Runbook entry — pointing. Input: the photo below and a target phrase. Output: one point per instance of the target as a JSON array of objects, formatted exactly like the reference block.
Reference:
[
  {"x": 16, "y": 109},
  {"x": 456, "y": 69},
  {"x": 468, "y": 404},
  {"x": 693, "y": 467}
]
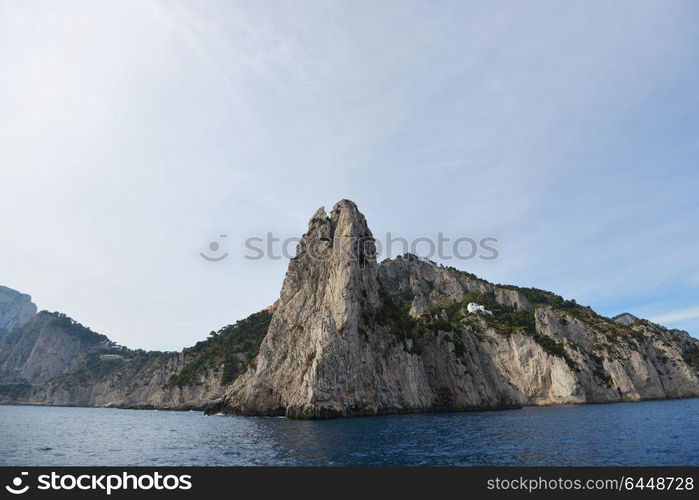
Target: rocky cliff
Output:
[
  {"x": 349, "y": 336},
  {"x": 332, "y": 348},
  {"x": 54, "y": 360}
]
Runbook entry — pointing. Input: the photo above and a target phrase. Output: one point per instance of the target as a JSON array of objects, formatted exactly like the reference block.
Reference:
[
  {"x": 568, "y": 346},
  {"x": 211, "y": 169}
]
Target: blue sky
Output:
[{"x": 132, "y": 134}]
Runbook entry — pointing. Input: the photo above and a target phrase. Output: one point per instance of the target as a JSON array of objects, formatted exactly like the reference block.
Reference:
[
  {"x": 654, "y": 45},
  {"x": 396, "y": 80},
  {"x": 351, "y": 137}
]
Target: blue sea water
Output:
[{"x": 645, "y": 433}]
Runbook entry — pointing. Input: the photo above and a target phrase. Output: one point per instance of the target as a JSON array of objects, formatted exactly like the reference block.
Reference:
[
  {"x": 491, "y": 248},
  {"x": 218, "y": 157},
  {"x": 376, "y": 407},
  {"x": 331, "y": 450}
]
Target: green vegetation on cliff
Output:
[
  {"x": 692, "y": 358},
  {"x": 401, "y": 324},
  {"x": 13, "y": 391},
  {"x": 98, "y": 366},
  {"x": 83, "y": 333},
  {"x": 504, "y": 319},
  {"x": 233, "y": 347}
]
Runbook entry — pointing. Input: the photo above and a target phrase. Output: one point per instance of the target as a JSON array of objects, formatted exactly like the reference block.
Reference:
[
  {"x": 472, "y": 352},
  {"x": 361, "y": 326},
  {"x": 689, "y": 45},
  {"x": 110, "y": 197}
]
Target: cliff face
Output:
[
  {"x": 44, "y": 348},
  {"x": 350, "y": 337},
  {"x": 53, "y": 360},
  {"x": 15, "y": 309},
  {"x": 139, "y": 382},
  {"x": 550, "y": 350},
  {"x": 328, "y": 351}
]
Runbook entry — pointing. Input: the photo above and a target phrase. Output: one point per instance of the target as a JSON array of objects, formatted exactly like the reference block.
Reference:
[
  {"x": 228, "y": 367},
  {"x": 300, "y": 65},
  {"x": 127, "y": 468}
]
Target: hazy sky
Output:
[{"x": 134, "y": 133}]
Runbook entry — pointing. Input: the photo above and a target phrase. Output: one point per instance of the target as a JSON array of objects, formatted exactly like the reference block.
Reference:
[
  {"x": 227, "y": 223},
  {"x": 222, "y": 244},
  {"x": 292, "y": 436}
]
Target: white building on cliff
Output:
[{"x": 472, "y": 307}]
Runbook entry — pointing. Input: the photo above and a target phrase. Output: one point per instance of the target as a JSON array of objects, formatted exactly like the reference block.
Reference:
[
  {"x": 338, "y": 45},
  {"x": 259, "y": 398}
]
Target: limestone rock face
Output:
[
  {"x": 15, "y": 309},
  {"x": 133, "y": 383},
  {"x": 40, "y": 350},
  {"x": 53, "y": 360},
  {"x": 324, "y": 355},
  {"x": 336, "y": 347},
  {"x": 428, "y": 285},
  {"x": 350, "y": 337}
]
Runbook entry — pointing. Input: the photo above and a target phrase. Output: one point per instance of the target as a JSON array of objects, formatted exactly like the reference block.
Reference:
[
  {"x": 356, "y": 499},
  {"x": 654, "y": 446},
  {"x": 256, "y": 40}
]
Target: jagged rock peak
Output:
[
  {"x": 318, "y": 358},
  {"x": 343, "y": 235},
  {"x": 626, "y": 319},
  {"x": 345, "y": 213}
]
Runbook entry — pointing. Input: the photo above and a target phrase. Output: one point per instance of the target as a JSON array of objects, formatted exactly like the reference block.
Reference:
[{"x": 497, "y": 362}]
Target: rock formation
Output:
[
  {"x": 626, "y": 319},
  {"x": 350, "y": 337},
  {"x": 330, "y": 349},
  {"x": 54, "y": 360}
]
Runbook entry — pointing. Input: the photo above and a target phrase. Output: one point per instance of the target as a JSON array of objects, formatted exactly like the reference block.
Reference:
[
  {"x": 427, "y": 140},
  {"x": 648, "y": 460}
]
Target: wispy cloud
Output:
[{"x": 677, "y": 316}]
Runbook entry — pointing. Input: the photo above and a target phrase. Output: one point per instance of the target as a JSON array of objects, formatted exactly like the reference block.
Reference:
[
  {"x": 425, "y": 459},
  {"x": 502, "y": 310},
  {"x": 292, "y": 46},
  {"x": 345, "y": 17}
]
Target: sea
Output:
[{"x": 640, "y": 433}]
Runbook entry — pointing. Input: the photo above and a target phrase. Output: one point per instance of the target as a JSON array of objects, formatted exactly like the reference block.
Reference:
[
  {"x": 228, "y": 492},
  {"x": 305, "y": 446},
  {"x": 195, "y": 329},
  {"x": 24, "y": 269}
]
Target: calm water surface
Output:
[{"x": 647, "y": 433}]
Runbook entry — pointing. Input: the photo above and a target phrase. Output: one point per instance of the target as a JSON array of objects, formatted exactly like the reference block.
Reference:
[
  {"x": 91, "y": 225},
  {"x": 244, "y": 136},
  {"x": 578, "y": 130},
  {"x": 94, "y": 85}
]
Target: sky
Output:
[{"x": 134, "y": 134}]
